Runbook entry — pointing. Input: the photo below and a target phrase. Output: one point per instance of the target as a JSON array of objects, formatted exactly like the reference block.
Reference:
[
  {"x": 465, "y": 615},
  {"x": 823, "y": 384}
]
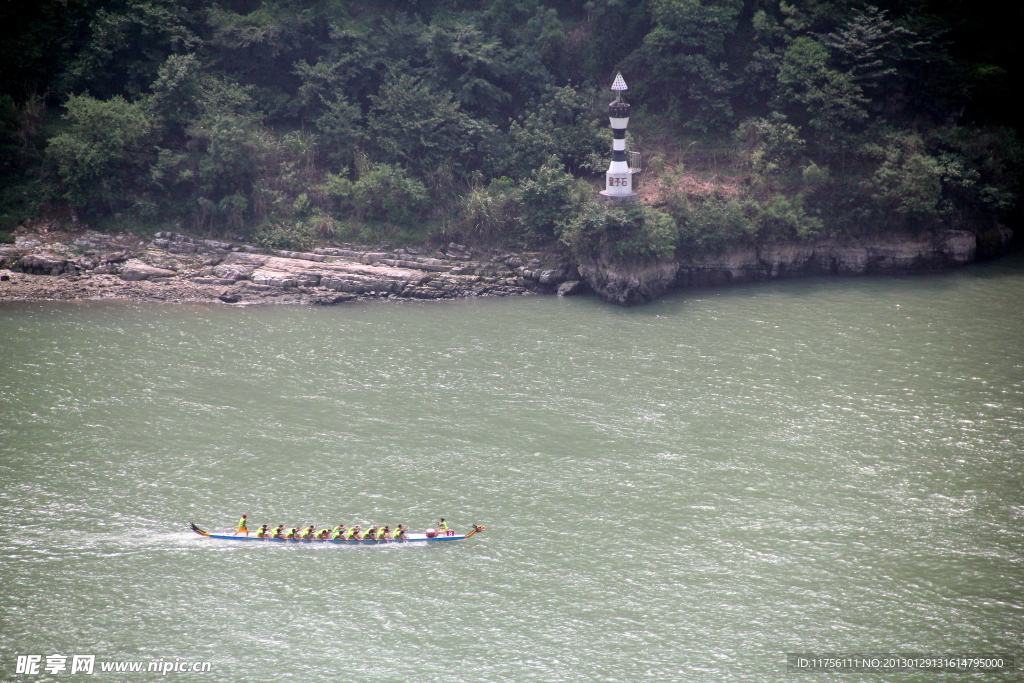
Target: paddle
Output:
[{"x": 198, "y": 530}]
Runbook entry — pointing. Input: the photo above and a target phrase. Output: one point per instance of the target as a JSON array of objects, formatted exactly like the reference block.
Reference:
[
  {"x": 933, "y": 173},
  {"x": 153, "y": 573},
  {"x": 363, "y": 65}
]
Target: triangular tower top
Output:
[{"x": 619, "y": 84}]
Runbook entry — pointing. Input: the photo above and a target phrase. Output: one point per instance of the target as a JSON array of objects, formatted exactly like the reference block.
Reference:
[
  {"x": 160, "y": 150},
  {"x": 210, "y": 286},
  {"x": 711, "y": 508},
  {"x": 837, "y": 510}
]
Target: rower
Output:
[
  {"x": 279, "y": 532},
  {"x": 324, "y": 533},
  {"x": 293, "y": 534},
  {"x": 352, "y": 534},
  {"x": 371, "y": 534},
  {"x": 262, "y": 533},
  {"x": 242, "y": 528},
  {"x": 399, "y": 534},
  {"x": 383, "y": 533},
  {"x": 307, "y": 532},
  {"x": 339, "y": 533}
]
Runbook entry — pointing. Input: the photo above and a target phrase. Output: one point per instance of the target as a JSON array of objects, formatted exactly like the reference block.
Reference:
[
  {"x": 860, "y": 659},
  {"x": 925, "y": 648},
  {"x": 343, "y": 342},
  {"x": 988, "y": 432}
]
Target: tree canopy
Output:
[{"x": 251, "y": 116}]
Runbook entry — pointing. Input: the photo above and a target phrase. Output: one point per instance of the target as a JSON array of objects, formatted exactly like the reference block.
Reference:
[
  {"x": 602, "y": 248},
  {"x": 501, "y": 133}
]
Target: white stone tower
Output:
[{"x": 618, "y": 183}]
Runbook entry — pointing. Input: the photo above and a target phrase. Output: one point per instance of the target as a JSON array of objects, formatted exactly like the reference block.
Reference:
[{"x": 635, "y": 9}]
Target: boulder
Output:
[
  {"x": 134, "y": 271},
  {"x": 43, "y": 264},
  {"x": 570, "y": 287},
  {"x": 234, "y": 271},
  {"x": 276, "y": 278},
  {"x": 245, "y": 259},
  {"x": 116, "y": 256},
  {"x": 332, "y": 299},
  {"x": 458, "y": 251},
  {"x": 551, "y": 277},
  {"x": 629, "y": 281}
]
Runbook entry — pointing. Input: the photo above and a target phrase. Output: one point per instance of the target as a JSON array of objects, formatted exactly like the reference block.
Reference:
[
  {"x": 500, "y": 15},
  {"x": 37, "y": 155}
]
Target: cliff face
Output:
[{"x": 628, "y": 282}]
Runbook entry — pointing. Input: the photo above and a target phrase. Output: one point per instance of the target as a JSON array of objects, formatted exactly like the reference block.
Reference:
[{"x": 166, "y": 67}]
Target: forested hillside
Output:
[{"x": 289, "y": 122}]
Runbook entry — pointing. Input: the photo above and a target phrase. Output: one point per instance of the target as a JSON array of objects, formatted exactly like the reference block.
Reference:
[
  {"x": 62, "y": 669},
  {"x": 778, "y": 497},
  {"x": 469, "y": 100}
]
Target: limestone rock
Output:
[
  {"x": 993, "y": 242},
  {"x": 116, "y": 256},
  {"x": 234, "y": 271},
  {"x": 551, "y": 276},
  {"x": 245, "y": 259},
  {"x": 134, "y": 271},
  {"x": 628, "y": 282},
  {"x": 332, "y": 299},
  {"x": 570, "y": 287},
  {"x": 285, "y": 278},
  {"x": 458, "y": 251},
  {"x": 43, "y": 264}
]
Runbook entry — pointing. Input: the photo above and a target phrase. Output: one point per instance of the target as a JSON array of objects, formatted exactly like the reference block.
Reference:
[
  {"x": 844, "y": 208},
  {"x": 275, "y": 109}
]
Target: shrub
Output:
[
  {"x": 297, "y": 236},
  {"x": 714, "y": 224},
  {"x": 383, "y": 193},
  {"x": 632, "y": 230},
  {"x": 550, "y": 199},
  {"x": 771, "y": 143},
  {"x": 104, "y": 155},
  {"x": 786, "y": 218},
  {"x": 488, "y": 212}
]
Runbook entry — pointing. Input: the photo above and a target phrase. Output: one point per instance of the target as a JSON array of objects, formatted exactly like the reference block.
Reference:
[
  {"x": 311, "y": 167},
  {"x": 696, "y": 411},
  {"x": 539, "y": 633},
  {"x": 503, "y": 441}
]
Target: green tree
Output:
[
  {"x": 771, "y": 143},
  {"x": 632, "y": 230},
  {"x": 561, "y": 125},
  {"x": 909, "y": 180},
  {"x": 684, "y": 55},
  {"x": 829, "y": 100},
  {"x": 712, "y": 224},
  {"x": 128, "y": 45},
  {"x": 550, "y": 198},
  {"x": 382, "y": 193},
  {"x": 341, "y": 131},
  {"x": 423, "y": 129},
  {"x": 466, "y": 63},
  {"x": 786, "y": 218},
  {"x": 875, "y": 52},
  {"x": 101, "y": 161}
]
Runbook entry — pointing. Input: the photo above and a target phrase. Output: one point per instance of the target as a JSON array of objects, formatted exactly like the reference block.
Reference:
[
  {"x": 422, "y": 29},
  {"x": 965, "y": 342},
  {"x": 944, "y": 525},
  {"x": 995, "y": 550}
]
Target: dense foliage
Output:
[{"x": 292, "y": 121}]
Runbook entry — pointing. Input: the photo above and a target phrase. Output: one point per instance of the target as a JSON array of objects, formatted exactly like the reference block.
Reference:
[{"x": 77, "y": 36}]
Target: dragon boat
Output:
[{"x": 430, "y": 536}]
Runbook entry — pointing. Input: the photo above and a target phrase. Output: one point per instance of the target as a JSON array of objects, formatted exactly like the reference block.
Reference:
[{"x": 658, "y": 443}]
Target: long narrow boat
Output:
[{"x": 410, "y": 538}]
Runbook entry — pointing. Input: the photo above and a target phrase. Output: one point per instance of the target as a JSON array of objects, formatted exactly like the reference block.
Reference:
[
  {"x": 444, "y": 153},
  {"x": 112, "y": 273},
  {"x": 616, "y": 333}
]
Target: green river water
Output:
[{"x": 684, "y": 491}]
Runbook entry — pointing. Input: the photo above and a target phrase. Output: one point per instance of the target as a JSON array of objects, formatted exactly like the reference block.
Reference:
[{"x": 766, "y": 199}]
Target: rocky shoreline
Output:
[
  {"x": 629, "y": 282},
  {"x": 176, "y": 268}
]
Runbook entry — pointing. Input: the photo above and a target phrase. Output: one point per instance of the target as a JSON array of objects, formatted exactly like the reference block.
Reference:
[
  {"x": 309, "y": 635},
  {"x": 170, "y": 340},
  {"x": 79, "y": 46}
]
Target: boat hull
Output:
[
  {"x": 410, "y": 538},
  {"x": 413, "y": 538}
]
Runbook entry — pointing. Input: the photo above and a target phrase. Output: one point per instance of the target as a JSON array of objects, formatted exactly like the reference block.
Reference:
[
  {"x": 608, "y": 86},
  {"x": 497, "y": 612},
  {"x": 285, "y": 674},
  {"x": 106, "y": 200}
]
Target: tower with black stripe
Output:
[{"x": 618, "y": 183}]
